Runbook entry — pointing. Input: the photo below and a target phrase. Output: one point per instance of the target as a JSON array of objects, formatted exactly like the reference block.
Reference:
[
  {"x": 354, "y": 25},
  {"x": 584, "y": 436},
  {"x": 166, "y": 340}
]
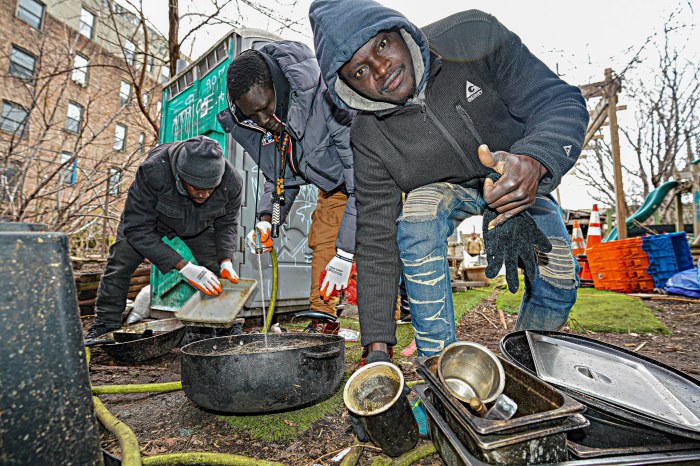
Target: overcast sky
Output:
[{"x": 576, "y": 39}]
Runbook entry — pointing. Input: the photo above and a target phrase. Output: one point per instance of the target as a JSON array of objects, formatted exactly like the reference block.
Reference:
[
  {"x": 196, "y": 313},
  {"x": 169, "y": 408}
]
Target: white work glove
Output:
[
  {"x": 264, "y": 229},
  {"x": 337, "y": 273},
  {"x": 228, "y": 272},
  {"x": 201, "y": 278}
]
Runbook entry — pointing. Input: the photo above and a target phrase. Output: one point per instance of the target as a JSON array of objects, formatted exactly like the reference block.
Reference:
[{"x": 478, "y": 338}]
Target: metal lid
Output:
[{"x": 615, "y": 377}]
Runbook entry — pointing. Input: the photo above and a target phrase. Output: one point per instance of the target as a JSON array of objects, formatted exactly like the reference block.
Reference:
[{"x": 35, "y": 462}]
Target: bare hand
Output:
[{"x": 516, "y": 190}]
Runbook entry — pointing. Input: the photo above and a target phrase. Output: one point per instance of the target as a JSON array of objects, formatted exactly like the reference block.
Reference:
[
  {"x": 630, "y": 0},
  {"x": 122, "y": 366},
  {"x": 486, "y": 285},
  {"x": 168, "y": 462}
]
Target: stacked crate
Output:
[
  {"x": 681, "y": 249},
  {"x": 662, "y": 258},
  {"x": 620, "y": 266}
]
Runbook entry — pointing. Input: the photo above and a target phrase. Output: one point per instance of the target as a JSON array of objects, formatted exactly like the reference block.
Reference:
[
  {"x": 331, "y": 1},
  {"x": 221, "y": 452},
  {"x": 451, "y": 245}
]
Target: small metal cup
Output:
[
  {"x": 469, "y": 369},
  {"x": 375, "y": 395}
]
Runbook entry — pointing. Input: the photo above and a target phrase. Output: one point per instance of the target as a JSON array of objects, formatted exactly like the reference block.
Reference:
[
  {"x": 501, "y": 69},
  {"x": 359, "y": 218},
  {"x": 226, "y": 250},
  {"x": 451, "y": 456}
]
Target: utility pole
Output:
[{"x": 612, "y": 86}]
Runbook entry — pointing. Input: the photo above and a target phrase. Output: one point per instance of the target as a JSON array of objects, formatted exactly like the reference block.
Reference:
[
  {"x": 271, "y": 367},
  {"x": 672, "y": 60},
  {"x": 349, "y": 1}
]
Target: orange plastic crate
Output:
[{"x": 620, "y": 266}]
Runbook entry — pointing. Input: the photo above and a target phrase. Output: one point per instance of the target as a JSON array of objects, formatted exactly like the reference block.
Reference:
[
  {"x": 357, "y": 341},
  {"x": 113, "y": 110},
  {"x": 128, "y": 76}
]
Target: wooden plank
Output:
[
  {"x": 143, "y": 280},
  {"x": 592, "y": 89},
  {"x": 598, "y": 117}
]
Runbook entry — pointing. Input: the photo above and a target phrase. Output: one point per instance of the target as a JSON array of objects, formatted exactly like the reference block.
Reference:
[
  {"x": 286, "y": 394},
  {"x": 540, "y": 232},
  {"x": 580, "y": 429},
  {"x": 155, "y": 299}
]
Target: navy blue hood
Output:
[{"x": 341, "y": 27}]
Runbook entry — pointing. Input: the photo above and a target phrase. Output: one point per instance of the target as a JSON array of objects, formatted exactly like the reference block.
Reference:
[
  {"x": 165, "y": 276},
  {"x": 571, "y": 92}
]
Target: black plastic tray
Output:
[
  {"x": 539, "y": 403},
  {"x": 515, "y": 348},
  {"x": 607, "y": 435}
]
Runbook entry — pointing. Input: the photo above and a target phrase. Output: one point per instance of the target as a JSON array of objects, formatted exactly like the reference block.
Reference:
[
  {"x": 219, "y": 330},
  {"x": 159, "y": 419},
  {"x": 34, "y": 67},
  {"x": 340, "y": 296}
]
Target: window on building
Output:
[
  {"x": 124, "y": 92},
  {"x": 149, "y": 64},
  {"x": 115, "y": 179},
  {"x": 87, "y": 22},
  {"x": 164, "y": 73},
  {"x": 129, "y": 50},
  {"x": 73, "y": 117},
  {"x": 67, "y": 173},
  {"x": 158, "y": 107},
  {"x": 14, "y": 118},
  {"x": 119, "y": 137},
  {"x": 142, "y": 142},
  {"x": 80, "y": 70},
  {"x": 31, "y": 12},
  {"x": 145, "y": 99},
  {"x": 22, "y": 64}
]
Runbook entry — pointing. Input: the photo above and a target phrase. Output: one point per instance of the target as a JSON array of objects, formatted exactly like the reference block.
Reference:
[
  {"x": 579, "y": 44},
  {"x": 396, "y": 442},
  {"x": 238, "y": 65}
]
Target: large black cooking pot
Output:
[{"x": 240, "y": 374}]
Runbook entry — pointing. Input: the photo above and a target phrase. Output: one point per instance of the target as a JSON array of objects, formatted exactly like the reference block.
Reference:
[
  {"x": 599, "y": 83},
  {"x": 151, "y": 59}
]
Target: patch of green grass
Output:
[
  {"x": 607, "y": 311},
  {"x": 598, "y": 311},
  {"x": 465, "y": 301},
  {"x": 290, "y": 424}
]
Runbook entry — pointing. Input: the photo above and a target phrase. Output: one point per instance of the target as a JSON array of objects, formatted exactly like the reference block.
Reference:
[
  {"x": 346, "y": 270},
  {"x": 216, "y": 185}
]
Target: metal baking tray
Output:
[
  {"x": 538, "y": 402},
  {"x": 611, "y": 376},
  {"x": 454, "y": 453}
]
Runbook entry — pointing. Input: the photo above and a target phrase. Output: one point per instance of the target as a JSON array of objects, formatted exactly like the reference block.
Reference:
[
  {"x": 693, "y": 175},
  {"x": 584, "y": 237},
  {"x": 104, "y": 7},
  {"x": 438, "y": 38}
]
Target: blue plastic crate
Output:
[
  {"x": 681, "y": 248},
  {"x": 662, "y": 259}
]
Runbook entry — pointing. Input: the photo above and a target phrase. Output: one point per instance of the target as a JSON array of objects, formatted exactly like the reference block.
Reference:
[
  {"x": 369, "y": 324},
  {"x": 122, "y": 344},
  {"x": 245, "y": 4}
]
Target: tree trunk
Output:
[{"x": 173, "y": 44}]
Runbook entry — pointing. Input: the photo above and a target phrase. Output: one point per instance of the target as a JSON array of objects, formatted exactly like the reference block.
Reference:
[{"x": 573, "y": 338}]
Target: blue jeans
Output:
[{"x": 429, "y": 218}]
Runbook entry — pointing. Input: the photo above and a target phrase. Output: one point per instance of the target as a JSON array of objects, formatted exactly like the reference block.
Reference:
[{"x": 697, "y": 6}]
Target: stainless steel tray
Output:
[
  {"x": 455, "y": 453},
  {"x": 217, "y": 311},
  {"x": 611, "y": 376},
  {"x": 538, "y": 402}
]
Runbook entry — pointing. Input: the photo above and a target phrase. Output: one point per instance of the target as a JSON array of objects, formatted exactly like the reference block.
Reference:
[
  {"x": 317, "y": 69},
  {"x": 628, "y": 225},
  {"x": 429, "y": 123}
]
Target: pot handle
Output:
[{"x": 324, "y": 355}]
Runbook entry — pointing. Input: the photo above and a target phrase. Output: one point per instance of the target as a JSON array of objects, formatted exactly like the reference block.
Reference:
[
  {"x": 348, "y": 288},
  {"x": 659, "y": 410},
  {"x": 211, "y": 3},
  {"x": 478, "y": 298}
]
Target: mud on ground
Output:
[{"x": 169, "y": 422}]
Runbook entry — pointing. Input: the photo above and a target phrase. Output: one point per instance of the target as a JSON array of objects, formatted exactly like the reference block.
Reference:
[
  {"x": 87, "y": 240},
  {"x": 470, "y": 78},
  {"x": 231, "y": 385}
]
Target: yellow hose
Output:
[
  {"x": 273, "y": 295},
  {"x": 137, "y": 388},
  {"x": 129, "y": 444},
  {"x": 199, "y": 458}
]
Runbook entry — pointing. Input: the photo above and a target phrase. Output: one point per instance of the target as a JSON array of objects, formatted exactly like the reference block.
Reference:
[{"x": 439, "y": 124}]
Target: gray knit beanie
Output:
[{"x": 200, "y": 162}]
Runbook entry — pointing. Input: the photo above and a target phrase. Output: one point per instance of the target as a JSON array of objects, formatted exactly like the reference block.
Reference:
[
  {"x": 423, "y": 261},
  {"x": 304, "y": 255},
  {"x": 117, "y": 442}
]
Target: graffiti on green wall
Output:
[{"x": 193, "y": 112}]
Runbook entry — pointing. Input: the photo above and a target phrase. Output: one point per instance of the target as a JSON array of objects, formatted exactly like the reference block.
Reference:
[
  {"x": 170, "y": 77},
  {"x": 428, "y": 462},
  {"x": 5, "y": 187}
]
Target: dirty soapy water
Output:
[
  {"x": 376, "y": 393},
  {"x": 257, "y": 347}
]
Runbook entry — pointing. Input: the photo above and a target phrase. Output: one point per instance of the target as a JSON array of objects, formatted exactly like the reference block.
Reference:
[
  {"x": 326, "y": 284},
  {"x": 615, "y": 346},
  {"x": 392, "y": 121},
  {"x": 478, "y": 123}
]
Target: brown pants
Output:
[{"x": 325, "y": 222}]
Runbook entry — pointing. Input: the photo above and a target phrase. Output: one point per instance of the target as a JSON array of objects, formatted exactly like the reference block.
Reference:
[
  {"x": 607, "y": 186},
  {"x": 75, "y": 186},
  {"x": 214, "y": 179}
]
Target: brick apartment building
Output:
[{"x": 80, "y": 108}]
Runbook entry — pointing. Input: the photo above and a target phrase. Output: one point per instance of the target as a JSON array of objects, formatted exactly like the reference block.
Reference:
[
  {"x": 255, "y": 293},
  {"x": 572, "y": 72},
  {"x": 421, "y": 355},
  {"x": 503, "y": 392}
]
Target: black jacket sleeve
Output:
[
  {"x": 140, "y": 220},
  {"x": 376, "y": 251},
  {"x": 554, "y": 112}
]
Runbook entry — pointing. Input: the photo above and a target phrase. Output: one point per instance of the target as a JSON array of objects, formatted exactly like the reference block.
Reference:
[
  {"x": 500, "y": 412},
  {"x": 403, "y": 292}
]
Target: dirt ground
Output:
[{"x": 169, "y": 422}]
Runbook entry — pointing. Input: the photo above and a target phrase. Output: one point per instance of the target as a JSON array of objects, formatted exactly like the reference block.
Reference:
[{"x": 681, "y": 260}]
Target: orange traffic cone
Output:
[
  {"x": 594, "y": 233},
  {"x": 584, "y": 273},
  {"x": 578, "y": 245}
]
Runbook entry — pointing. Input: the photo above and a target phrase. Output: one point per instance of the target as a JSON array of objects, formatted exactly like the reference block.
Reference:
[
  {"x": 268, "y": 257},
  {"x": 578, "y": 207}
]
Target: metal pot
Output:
[
  {"x": 142, "y": 341},
  {"x": 243, "y": 374}
]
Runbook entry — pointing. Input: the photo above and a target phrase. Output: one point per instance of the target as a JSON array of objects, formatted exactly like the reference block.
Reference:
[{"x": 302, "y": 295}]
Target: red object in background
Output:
[{"x": 350, "y": 291}]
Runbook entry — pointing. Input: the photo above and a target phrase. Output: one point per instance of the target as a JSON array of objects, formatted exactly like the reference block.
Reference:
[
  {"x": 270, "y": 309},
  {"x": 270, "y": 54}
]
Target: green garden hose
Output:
[
  {"x": 199, "y": 458},
  {"x": 129, "y": 444},
  {"x": 137, "y": 388}
]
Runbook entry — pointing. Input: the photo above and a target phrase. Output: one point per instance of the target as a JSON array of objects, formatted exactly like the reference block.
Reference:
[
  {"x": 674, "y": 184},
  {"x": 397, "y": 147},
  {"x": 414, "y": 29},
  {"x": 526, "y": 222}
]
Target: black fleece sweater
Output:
[{"x": 484, "y": 87}]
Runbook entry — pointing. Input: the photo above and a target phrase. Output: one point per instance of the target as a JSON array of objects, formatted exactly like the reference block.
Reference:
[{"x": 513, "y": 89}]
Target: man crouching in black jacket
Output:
[
  {"x": 183, "y": 189},
  {"x": 433, "y": 104}
]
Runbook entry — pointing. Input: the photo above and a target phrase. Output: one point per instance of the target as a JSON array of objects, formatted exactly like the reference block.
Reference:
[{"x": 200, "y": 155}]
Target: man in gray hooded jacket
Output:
[
  {"x": 433, "y": 101},
  {"x": 185, "y": 189},
  {"x": 282, "y": 115}
]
